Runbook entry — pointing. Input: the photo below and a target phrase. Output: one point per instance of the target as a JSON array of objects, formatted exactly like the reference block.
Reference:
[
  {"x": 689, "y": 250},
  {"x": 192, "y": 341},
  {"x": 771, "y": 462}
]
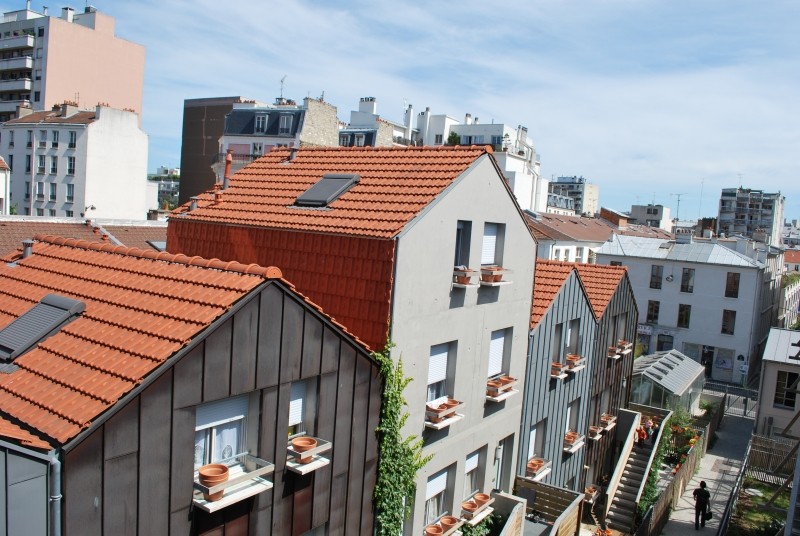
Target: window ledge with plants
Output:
[
  {"x": 573, "y": 442},
  {"x": 304, "y": 454},
  {"x": 538, "y": 468},
  {"x": 624, "y": 347},
  {"x": 494, "y": 276},
  {"x": 218, "y": 485},
  {"x": 476, "y": 509},
  {"x": 500, "y": 388},
  {"x": 557, "y": 370},
  {"x": 441, "y": 413},
  {"x": 613, "y": 353},
  {"x": 462, "y": 277},
  {"x": 444, "y": 526},
  {"x": 608, "y": 421},
  {"x": 575, "y": 363}
]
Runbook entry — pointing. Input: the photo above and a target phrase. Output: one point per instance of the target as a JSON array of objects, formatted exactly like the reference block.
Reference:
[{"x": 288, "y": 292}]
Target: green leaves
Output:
[{"x": 399, "y": 458}]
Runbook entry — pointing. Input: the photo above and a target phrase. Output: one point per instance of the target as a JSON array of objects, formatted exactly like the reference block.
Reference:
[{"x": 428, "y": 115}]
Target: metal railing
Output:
[{"x": 730, "y": 506}]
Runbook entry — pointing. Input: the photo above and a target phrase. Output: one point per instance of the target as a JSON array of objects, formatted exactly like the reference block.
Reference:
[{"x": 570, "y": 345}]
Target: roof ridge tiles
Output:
[{"x": 269, "y": 272}]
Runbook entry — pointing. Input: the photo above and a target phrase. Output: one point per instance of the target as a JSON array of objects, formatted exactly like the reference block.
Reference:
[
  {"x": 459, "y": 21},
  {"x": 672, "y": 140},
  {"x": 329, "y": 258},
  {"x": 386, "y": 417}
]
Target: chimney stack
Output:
[
  {"x": 228, "y": 162},
  {"x": 27, "y": 248},
  {"x": 192, "y": 203},
  {"x": 67, "y": 13}
]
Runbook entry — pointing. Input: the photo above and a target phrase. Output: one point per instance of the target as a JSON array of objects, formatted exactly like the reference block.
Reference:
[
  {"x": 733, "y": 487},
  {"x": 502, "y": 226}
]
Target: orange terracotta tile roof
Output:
[
  {"x": 791, "y": 256},
  {"x": 395, "y": 185},
  {"x": 548, "y": 279},
  {"x": 15, "y": 229},
  {"x": 3, "y": 165},
  {"x": 601, "y": 282},
  {"x": 142, "y": 306}
]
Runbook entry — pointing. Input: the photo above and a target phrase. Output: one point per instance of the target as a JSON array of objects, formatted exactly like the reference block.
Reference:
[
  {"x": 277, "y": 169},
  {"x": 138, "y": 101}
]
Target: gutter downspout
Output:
[{"x": 55, "y": 496}]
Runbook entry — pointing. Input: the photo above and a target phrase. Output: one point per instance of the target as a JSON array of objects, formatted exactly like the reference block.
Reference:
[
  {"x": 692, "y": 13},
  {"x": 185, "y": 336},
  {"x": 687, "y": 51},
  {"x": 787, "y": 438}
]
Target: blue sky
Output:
[{"x": 645, "y": 99}]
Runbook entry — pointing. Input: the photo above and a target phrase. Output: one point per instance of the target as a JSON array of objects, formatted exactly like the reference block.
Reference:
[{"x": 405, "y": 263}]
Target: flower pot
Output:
[
  {"x": 462, "y": 279},
  {"x": 594, "y": 431},
  {"x": 487, "y": 277},
  {"x": 469, "y": 506},
  {"x": 448, "y": 522},
  {"x": 496, "y": 278},
  {"x": 433, "y": 530},
  {"x": 451, "y": 403},
  {"x": 302, "y": 444},
  {"x": 555, "y": 369},
  {"x": 535, "y": 465},
  {"x": 507, "y": 379},
  {"x": 211, "y": 475},
  {"x": 481, "y": 498}
]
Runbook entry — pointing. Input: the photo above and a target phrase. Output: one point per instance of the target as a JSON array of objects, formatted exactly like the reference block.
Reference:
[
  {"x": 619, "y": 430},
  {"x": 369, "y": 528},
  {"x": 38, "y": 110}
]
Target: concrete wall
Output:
[
  {"x": 91, "y": 66},
  {"x": 116, "y": 167},
  {"x": 427, "y": 311}
]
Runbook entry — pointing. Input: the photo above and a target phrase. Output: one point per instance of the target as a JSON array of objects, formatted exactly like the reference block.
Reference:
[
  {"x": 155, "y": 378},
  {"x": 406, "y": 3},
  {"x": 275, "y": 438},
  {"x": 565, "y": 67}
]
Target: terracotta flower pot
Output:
[
  {"x": 302, "y": 444},
  {"x": 469, "y": 506},
  {"x": 481, "y": 498},
  {"x": 534, "y": 465},
  {"x": 496, "y": 278},
  {"x": 451, "y": 403},
  {"x": 463, "y": 279},
  {"x": 507, "y": 379},
  {"x": 211, "y": 475},
  {"x": 433, "y": 530},
  {"x": 448, "y": 522}
]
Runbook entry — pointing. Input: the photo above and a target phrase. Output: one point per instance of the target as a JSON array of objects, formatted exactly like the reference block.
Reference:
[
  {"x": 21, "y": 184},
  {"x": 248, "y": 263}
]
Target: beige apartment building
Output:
[{"x": 46, "y": 60}]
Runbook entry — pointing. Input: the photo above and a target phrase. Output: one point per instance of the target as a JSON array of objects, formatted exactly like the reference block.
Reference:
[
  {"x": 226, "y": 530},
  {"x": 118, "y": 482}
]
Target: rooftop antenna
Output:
[
  {"x": 282, "y": 79},
  {"x": 740, "y": 180},
  {"x": 678, "y": 208}
]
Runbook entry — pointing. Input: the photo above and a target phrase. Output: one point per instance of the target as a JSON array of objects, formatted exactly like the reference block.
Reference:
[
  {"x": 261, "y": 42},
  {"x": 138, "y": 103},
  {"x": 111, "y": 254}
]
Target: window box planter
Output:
[
  {"x": 304, "y": 461},
  {"x": 613, "y": 353},
  {"x": 596, "y": 432},
  {"x": 624, "y": 347},
  {"x": 441, "y": 413},
  {"x": 575, "y": 363},
  {"x": 556, "y": 370},
  {"x": 538, "y": 468},
  {"x": 473, "y": 513},
  {"x": 607, "y": 418},
  {"x": 573, "y": 441},
  {"x": 500, "y": 388},
  {"x": 245, "y": 479},
  {"x": 447, "y": 524},
  {"x": 462, "y": 277},
  {"x": 493, "y": 276}
]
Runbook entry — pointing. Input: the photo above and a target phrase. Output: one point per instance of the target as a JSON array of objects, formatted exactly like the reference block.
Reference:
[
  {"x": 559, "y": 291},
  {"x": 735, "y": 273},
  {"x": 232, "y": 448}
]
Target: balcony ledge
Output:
[{"x": 241, "y": 484}]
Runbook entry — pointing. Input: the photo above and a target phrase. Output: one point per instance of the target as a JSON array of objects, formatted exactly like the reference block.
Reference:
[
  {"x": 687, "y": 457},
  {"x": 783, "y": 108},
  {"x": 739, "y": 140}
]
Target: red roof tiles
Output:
[
  {"x": 81, "y": 117},
  {"x": 395, "y": 184},
  {"x": 547, "y": 282},
  {"x": 141, "y": 307},
  {"x": 791, "y": 256},
  {"x": 601, "y": 282}
]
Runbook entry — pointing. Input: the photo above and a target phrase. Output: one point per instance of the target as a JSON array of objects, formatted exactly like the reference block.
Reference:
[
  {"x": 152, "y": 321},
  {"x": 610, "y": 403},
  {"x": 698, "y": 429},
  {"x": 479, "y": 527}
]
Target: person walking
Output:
[
  {"x": 641, "y": 435},
  {"x": 702, "y": 498}
]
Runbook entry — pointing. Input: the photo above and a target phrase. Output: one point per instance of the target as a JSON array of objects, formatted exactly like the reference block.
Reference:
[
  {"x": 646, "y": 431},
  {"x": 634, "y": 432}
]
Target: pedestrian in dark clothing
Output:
[{"x": 702, "y": 497}]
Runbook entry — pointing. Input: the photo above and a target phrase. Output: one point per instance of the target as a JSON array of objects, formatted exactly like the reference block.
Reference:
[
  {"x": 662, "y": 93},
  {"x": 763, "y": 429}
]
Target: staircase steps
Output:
[{"x": 622, "y": 511}]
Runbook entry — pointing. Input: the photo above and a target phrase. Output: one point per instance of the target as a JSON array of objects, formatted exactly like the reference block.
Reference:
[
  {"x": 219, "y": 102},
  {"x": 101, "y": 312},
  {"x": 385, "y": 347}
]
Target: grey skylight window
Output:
[
  {"x": 327, "y": 190},
  {"x": 41, "y": 321}
]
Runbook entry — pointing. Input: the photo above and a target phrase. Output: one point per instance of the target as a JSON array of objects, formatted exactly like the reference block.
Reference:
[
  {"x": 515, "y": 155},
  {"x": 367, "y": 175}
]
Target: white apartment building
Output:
[
  {"x": 751, "y": 213},
  {"x": 708, "y": 301},
  {"x": 652, "y": 216},
  {"x": 74, "y": 163},
  {"x": 368, "y": 129},
  {"x": 585, "y": 194},
  {"x": 46, "y": 60},
  {"x": 5, "y": 187}
]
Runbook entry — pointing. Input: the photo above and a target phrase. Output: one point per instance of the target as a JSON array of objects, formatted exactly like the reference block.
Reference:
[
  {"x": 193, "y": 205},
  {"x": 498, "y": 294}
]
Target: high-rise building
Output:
[
  {"x": 75, "y": 57},
  {"x": 751, "y": 213},
  {"x": 585, "y": 194}
]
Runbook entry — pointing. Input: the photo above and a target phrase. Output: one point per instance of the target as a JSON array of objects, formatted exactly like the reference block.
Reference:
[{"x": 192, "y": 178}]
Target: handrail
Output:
[
  {"x": 656, "y": 443},
  {"x": 627, "y": 446}
]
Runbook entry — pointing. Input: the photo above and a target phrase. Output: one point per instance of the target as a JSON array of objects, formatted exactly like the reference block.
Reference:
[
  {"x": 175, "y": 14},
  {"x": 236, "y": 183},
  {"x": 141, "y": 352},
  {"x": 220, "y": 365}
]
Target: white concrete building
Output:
[
  {"x": 651, "y": 216},
  {"x": 585, "y": 194},
  {"x": 752, "y": 213},
  {"x": 5, "y": 187},
  {"x": 706, "y": 300},
  {"x": 45, "y": 60},
  {"x": 74, "y": 163},
  {"x": 780, "y": 370},
  {"x": 368, "y": 129}
]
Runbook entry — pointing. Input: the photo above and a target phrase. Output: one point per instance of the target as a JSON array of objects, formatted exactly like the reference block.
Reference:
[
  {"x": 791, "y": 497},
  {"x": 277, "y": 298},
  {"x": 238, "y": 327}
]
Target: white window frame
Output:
[
  {"x": 489, "y": 245},
  {"x": 360, "y": 140},
  {"x": 209, "y": 421},
  {"x": 260, "y": 123},
  {"x": 435, "y": 492},
  {"x": 285, "y": 124},
  {"x": 471, "y": 474},
  {"x": 497, "y": 343},
  {"x": 297, "y": 408},
  {"x": 437, "y": 371},
  {"x": 70, "y": 195}
]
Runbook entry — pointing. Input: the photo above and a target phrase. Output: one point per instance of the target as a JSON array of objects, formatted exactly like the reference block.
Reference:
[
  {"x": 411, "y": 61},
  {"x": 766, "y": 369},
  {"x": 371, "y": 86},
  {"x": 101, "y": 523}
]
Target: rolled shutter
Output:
[
  {"x": 489, "y": 243},
  {"x": 220, "y": 412},
  {"x": 436, "y": 484},
  {"x": 437, "y": 366},
  {"x": 472, "y": 462},
  {"x": 298, "y": 394},
  {"x": 532, "y": 443},
  {"x": 496, "y": 347}
]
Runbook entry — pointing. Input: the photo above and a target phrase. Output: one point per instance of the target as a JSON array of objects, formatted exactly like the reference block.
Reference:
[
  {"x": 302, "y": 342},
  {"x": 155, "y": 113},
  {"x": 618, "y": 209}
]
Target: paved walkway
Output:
[{"x": 719, "y": 468}]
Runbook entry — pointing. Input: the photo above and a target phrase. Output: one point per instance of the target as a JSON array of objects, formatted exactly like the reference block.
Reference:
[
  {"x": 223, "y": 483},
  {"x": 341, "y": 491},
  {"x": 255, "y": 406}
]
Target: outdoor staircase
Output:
[{"x": 622, "y": 512}]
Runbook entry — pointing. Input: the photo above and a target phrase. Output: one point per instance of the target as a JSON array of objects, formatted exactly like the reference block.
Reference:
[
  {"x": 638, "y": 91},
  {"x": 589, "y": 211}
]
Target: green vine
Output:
[
  {"x": 399, "y": 458},
  {"x": 483, "y": 528}
]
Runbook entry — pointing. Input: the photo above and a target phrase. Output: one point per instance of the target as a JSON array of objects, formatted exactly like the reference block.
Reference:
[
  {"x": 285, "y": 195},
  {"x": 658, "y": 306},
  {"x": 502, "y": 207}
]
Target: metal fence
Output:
[
  {"x": 770, "y": 460},
  {"x": 739, "y": 401}
]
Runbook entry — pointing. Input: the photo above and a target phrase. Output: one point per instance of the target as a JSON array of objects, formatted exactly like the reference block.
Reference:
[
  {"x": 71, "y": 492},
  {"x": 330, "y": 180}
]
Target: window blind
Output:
[
  {"x": 436, "y": 484},
  {"x": 437, "y": 365},
  {"x": 472, "y": 462},
  {"x": 496, "y": 347},
  {"x": 296, "y": 397},
  {"x": 489, "y": 243},
  {"x": 532, "y": 443},
  {"x": 220, "y": 412}
]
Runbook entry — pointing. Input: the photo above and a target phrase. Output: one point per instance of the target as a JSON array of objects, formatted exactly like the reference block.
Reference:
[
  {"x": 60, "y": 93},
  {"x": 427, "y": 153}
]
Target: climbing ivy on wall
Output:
[{"x": 399, "y": 458}]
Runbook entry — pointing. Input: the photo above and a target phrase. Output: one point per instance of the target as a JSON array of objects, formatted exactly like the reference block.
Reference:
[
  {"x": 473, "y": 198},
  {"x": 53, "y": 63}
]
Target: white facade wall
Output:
[
  {"x": 5, "y": 191},
  {"x": 115, "y": 167},
  {"x": 707, "y": 304},
  {"x": 428, "y": 311}
]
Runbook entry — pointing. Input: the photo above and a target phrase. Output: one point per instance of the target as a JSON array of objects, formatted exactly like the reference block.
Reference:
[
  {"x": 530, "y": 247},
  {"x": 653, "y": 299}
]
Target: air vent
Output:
[
  {"x": 41, "y": 321},
  {"x": 327, "y": 190}
]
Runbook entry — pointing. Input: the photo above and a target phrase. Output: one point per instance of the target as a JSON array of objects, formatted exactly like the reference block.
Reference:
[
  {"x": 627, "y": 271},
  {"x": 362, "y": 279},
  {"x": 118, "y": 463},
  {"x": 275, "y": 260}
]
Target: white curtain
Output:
[{"x": 227, "y": 441}]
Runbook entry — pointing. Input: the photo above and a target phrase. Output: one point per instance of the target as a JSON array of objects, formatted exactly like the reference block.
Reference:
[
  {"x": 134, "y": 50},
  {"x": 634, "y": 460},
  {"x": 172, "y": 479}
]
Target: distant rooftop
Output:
[{"x": 655, "y": 248}]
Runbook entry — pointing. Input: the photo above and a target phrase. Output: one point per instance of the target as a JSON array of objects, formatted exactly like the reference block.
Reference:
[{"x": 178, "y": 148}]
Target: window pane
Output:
[
  {"x": 227, "y": 439},
  {"x": 656, "y": 272},
  {"x": 489, "y": 243},
  {"x": 732, "y": 285},
  {"x": 687, "y": 280},
  {"x": 200, "y": 448}
]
